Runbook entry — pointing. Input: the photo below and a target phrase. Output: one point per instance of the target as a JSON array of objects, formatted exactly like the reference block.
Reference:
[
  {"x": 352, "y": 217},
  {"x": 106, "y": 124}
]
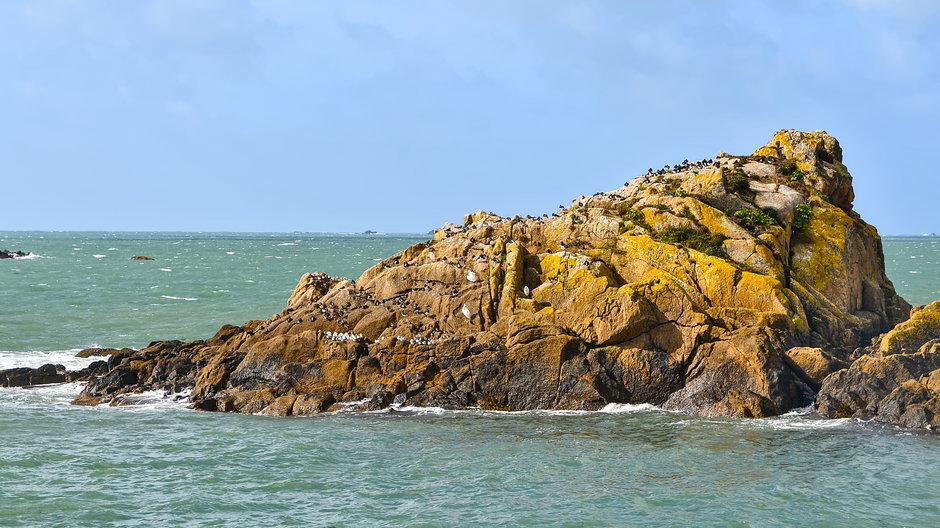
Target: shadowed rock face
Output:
[{"x": 684, "y": 288}]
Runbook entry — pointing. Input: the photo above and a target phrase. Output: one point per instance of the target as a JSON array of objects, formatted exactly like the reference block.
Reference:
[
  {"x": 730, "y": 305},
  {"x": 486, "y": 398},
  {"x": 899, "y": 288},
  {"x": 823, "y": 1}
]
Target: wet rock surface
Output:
[
  {"x": 49, "y": 373},
  {"x": 723, "y": 287}
]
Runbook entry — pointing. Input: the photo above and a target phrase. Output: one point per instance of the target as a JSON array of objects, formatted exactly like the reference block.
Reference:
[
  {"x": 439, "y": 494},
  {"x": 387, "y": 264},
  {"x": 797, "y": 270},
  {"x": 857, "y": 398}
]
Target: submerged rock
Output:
[
  {"x": 140, "y": 257},
  {"x": 724, "y": 287}
]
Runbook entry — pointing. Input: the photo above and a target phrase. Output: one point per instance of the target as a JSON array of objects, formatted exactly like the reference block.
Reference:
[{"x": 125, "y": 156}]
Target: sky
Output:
[{"x": 275, "y": 115}]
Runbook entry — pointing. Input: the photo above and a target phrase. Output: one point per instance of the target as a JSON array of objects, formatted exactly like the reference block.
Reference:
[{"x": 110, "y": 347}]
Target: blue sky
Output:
[{"x": 204, "y": 115}]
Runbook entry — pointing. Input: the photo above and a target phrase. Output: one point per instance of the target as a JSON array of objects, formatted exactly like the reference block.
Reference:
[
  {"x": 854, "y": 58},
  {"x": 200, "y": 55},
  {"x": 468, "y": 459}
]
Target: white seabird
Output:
[
  {"x": 466, "y": 312},
  {"x": 471, "y": 276}
]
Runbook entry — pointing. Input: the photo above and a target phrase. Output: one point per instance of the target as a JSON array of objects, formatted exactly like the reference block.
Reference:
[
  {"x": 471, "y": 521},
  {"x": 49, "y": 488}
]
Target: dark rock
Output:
[{"x": 5, "y": 254}]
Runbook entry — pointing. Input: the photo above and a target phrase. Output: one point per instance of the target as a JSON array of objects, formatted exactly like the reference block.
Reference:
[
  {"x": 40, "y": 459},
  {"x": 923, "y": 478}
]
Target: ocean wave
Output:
[
  {"x": 180, "y": 298},
  {"x": 38, "y": 358},
  {"x": 165, "y": 269},
  {"x": 99, "y": 256},
  {"x": 40, "y": 395},
  {"x": 408, "y": 410},
  {"x": 801, "y": 418},
  {"x": 156, "y": 400}
]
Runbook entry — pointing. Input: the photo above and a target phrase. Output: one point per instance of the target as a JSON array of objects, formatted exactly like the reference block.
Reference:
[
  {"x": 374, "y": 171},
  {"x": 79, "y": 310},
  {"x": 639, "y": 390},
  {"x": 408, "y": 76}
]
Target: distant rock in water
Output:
[
  {"x": 5, "y": 254},
  {"x": 97, "y": 351},
  {"x": 733, "y": 286},
  {"x": 140, "y": 257}
]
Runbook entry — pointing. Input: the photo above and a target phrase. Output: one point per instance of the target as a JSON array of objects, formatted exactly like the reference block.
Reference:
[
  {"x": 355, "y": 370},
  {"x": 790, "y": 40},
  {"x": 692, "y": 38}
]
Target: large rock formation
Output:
[{"x": 726, "y": 287}]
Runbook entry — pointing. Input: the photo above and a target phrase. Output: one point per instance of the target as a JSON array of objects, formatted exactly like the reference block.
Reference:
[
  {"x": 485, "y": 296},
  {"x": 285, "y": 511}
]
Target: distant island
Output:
[
  {"x": 742, "y": 285},
  {"x": 5, "y": 254}
]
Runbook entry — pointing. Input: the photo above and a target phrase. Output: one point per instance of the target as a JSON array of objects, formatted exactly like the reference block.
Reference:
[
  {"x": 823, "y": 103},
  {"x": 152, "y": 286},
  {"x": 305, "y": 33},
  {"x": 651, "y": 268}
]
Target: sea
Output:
[{"x": 164, "y": 465}]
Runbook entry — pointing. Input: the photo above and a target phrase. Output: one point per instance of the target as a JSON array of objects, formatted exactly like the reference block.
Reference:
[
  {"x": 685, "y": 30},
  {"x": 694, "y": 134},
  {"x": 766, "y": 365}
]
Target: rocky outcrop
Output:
[
  {"x": 140, "y": 257},
  {"x": 49, "y": 373},
  {"x": 4, "y": 254},
  {"x": 896, "y": 381},
  {"x": 99, "y": 352},
  {"x": 728, "y": 287}
]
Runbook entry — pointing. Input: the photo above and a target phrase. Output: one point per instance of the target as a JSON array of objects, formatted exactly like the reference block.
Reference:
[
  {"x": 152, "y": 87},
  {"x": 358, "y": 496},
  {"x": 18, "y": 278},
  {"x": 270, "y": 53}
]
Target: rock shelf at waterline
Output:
[{"x": 735, "y": 286}]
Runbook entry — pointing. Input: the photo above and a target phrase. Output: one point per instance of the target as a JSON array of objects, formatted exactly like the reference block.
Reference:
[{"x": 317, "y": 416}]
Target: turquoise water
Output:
[{"x": 163, "y": 465}]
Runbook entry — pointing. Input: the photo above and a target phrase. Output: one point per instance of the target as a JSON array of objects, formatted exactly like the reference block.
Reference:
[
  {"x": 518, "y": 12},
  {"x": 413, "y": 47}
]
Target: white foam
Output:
[
  {"x": 99, "y": 256},
  {"x": 40, "y": 395},
  {"x": 165, "y": 269},
  {"x": 38, "y": 358},
  {"x": 180, "y": 298},
  {"x": 629, "y": 408},
  {"x": 150, "y": 401},
  {"x": 288, "y": 244},
  {"x": 801, "y": 418},
  {"x": 395, "y": 408},
  {"x": 229, "y": 252}
]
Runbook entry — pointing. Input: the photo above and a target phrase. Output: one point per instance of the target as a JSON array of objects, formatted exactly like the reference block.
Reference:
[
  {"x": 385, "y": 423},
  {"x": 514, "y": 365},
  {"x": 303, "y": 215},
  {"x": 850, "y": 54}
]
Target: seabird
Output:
[{"x": 466, "y": 312}]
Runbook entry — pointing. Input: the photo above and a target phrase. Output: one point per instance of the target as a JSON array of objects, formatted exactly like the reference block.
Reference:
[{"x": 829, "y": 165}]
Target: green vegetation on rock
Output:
[
  {"x": 802, "y": 215},
  {"x": 704, "y": 241},
  {"x": 754, "y": 217},
  {"x": 738, "y": 181}
]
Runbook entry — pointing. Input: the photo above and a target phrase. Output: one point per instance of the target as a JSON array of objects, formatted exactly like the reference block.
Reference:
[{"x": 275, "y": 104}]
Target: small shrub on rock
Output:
[
  {"x": 703, "y": 241},
  {"x": 802, "y": 215},
  {"x": 754, "y": 217},
  {"x": 787, "y": 167},
  {"x": 738, "y": 181}
]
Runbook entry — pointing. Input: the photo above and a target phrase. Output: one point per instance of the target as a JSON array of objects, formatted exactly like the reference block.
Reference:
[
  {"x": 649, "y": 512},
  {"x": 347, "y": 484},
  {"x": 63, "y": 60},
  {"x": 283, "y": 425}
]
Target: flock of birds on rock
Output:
[
  {"x": 342, "y": 336},
  {"x": 403, "y": 306},
  {"x": 685, "y": 166}
]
